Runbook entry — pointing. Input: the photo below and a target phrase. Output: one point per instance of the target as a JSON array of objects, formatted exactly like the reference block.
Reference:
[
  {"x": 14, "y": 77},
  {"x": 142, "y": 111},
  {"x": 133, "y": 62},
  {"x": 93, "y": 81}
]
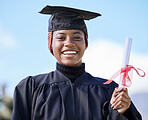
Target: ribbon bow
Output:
[{"x": 126, "y": 81}]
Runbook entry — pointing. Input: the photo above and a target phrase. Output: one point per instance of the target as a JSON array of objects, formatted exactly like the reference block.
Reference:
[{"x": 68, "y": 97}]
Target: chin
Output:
[{"x": 72, "y": 63}]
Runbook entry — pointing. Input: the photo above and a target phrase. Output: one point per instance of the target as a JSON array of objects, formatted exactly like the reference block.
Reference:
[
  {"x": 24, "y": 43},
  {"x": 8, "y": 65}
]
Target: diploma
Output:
[
  {"x": 125, "y": 80},
  {"x": 126, "y": 56}
]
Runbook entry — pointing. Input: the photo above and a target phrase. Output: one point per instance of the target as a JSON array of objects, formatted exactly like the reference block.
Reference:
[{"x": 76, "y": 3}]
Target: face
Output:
[{"x": 68, "y": 46}]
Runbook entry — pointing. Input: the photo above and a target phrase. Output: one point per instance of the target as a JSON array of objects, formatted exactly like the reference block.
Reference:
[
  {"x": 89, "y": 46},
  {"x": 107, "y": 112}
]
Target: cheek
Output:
[
  {"x": 56, "y": 47},
  {"x": 82, "y": 45}
]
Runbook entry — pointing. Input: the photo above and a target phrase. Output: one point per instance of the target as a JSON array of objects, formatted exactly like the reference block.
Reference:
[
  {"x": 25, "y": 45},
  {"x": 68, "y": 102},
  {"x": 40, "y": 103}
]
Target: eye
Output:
[
  {"x": 77, "y": 38},
  {"x": 61, "y": 38}
]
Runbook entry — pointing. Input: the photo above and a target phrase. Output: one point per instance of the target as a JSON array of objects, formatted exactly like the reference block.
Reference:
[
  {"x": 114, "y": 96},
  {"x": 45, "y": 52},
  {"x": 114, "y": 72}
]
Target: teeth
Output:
[{"x": 69, "y": 52}]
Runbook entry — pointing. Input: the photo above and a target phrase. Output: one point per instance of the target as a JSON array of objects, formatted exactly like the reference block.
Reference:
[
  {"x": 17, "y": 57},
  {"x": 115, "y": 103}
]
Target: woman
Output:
[{"x": 69, "y": 92}]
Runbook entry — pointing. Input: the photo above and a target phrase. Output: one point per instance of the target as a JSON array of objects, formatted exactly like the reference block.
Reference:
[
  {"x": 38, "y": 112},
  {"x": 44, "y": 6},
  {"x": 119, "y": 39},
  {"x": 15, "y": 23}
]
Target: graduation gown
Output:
[{"x": 52, "y": 96}]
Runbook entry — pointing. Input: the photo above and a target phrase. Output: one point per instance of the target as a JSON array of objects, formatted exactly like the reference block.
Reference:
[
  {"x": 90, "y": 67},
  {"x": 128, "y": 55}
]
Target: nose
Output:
[{"x": 69, "y": 42}]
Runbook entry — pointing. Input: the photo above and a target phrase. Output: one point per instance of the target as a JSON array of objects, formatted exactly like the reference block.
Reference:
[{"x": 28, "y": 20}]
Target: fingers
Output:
[
  {"x": 121, "y": 96},
  {"x": 120, "y": 100}
]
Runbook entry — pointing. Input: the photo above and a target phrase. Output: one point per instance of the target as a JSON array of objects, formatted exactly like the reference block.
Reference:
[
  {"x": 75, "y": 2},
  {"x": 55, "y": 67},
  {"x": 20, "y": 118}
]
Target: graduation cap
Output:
[{"x": 65, "y": 18}]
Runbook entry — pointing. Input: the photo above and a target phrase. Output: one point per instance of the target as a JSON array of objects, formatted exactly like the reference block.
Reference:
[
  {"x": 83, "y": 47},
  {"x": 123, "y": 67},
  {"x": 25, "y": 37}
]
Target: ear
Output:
[
  {"x": 86, "y": 42},
  {"x": 86, "y": 46},
  {"x": 50, "y": 34}
]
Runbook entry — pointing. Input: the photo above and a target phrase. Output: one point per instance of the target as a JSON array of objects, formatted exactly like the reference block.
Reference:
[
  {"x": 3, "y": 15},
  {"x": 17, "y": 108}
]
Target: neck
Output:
[{"x": 71, "y": 72}]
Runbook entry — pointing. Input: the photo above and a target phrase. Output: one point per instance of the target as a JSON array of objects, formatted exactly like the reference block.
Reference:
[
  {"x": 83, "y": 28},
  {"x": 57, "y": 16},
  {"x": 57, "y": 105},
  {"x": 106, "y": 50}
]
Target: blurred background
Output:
[{"x": 24, "y": 50}]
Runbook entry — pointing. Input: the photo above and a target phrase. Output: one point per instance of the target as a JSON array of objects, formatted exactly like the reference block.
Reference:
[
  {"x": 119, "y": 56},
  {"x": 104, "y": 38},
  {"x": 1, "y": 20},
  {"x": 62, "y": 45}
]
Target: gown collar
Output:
[{"x": 84, "y": 79}]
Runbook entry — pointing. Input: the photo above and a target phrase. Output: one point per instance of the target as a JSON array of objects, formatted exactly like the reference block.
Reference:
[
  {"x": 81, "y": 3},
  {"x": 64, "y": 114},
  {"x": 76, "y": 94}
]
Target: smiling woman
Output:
[
  {"x": 68, "y": 47},
  {"x": 69, "y": 92}
]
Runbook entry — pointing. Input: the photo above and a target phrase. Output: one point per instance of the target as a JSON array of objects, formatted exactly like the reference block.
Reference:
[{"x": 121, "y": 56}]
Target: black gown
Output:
[{"x": 53, "y": 96}]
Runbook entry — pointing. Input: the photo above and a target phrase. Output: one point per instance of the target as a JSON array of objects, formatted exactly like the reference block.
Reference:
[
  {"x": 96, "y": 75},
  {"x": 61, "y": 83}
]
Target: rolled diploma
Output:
[{"x": 126, "y": 55}]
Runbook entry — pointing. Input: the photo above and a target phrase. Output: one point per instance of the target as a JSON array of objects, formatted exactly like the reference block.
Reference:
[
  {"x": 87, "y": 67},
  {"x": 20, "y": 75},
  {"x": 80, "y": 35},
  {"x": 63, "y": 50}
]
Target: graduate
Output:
[{"x": 69, "y": 92}]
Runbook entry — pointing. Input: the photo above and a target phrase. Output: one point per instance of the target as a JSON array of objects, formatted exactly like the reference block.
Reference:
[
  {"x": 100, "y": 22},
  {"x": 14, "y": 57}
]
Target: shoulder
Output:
[
  {"x": 45, "y": 78},
  {"x": 37, "y": 80},
  {"x": 100, "y": 81},
  {"x": 107, "y": 89}
]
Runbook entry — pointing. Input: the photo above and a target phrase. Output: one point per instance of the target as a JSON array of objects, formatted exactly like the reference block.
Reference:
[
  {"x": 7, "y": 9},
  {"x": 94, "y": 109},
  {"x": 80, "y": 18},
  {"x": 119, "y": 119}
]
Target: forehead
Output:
[{"x": 65, "y": 32}]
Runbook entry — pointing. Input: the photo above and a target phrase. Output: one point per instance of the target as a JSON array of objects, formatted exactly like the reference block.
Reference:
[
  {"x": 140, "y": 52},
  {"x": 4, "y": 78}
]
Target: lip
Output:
[{"x": 69, "y": 52}]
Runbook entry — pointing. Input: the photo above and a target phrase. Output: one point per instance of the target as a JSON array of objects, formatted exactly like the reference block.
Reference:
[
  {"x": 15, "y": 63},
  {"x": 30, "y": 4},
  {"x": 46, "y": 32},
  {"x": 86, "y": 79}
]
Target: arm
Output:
[{"x": 22, "y": 100}]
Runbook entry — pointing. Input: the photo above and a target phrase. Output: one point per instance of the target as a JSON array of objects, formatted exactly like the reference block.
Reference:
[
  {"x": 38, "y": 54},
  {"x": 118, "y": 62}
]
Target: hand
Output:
[{"x": 120, "y": 100}]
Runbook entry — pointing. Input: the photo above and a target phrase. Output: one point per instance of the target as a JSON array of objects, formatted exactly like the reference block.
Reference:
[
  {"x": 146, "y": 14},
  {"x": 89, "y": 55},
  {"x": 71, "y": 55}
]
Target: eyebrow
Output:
[
  {"x": 78, "y": 33},
  {"x": 60, "y": 33}
]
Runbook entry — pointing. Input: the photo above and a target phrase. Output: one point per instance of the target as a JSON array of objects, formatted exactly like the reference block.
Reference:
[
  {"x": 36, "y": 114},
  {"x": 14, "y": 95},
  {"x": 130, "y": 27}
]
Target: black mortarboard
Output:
[{"x": 65, "y": 18}]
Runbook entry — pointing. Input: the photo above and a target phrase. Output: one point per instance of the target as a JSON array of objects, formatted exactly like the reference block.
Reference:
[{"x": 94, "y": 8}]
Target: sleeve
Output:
[
  {"x": 22, "y": 100},
  {"x": 132, "y": 113},
  {"x": 111, "y": 114}
]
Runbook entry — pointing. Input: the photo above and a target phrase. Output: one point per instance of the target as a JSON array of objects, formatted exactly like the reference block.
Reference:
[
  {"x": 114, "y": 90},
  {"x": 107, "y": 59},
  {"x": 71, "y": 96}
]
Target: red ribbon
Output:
[{"x": 126, "y": 81}]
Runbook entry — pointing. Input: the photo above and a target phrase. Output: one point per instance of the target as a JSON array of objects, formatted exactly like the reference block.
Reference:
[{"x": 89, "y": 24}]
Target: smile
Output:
[{"x": 70, "y": 52}]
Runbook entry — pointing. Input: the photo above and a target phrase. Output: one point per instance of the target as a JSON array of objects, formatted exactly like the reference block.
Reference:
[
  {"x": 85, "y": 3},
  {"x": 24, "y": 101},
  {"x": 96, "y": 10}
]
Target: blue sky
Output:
[{"x": 23, "y": 33}]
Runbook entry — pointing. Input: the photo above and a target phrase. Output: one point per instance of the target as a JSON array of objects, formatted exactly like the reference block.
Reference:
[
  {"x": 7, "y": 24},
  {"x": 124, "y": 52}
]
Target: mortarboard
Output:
[{"x": 65, "y": 18}]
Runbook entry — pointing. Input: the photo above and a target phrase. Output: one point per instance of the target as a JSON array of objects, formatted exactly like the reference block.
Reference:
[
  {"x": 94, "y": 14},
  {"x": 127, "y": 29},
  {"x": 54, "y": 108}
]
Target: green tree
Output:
[{"x": 6, "y": 105}]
